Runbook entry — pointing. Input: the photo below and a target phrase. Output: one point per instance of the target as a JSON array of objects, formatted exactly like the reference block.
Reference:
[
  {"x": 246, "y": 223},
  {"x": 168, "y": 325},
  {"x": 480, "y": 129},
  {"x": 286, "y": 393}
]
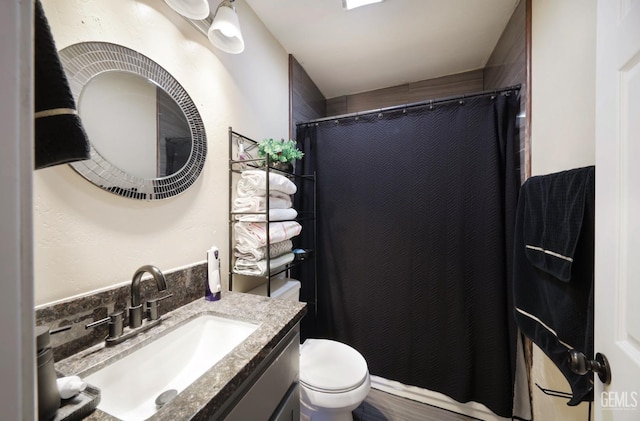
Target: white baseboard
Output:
[{"x": 471, "y": 409}]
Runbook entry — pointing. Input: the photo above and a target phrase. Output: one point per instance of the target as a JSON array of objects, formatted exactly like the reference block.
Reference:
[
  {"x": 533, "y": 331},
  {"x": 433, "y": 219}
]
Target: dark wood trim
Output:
[{"x": 291, "y": 88}]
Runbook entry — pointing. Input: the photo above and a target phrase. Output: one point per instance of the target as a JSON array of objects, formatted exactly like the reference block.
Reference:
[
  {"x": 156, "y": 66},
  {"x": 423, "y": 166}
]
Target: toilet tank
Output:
[{"x": 283, "y": 288}]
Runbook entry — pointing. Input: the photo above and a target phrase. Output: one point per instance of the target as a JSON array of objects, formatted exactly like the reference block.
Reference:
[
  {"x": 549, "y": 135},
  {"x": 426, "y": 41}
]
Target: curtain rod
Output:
[{"x": 412, "y": 105}]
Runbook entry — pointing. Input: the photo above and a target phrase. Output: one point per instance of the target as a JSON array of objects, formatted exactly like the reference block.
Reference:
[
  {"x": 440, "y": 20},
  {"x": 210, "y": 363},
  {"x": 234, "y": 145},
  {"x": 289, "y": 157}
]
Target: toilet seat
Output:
[{"x": 331, "y": 367}]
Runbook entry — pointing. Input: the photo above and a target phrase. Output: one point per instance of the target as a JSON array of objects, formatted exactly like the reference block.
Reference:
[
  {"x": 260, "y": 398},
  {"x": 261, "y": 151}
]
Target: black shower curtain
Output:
[{"x": 415, "y": 213}]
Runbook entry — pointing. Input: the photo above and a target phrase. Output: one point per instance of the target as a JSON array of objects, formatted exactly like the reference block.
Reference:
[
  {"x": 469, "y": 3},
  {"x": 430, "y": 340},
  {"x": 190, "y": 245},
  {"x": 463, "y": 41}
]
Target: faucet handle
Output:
[
  {"x": 153, "y": 310},
  {"x": 115, "y": 321}
]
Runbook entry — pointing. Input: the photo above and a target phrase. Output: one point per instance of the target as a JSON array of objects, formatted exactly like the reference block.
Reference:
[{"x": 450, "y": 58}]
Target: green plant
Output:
[{"x": 279, "y": 150}]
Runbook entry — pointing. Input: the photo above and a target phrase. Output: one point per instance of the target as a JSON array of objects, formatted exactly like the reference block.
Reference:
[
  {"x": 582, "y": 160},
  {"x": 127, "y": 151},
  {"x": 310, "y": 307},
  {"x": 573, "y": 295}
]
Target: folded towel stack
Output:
[
  {"x": 277, "y": 200},
  {"x": 253, "y": 183},
  {"x": 274, "y": 215},
  {"x": 259, "y": 268},
  {"x": 253, "y": 248},
  {"x": 254, "y": 234},
  {"x": 254, "y": 254}
]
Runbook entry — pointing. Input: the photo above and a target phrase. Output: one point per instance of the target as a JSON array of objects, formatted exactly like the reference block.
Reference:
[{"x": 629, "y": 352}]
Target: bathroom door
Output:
[{"x": 617, "y": 265}]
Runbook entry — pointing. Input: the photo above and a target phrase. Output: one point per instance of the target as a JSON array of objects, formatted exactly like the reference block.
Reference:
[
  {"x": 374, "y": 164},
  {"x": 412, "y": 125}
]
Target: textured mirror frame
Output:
[{"x": 85, "y": 60}]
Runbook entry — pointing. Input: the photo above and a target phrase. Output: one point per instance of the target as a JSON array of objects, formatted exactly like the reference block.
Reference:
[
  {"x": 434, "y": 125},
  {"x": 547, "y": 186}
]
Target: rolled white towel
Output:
[
  {"x": 277, "y": 200},
  {"x": 253, "y": 183},
  {"x": 254, "y": 234},
  {"x": 274, "y": 215},
  {"x": 259, "y": 268},
  {"x": 254, "y": 254}
]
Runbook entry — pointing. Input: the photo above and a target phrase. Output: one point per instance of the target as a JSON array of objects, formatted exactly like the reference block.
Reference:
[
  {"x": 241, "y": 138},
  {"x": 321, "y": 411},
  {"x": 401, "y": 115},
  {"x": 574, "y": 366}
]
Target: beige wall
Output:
[
  {"x": 86, "y": 238},
  {"x": 563, "y": 85},
  {"x": 562, "y": 136}
]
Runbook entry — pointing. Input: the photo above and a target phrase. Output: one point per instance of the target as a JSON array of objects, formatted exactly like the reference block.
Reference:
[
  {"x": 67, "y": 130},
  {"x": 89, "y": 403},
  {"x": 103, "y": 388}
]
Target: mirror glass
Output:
[
  {"x": 143, "y": 121},
  {"x": 147, "y": 138}
]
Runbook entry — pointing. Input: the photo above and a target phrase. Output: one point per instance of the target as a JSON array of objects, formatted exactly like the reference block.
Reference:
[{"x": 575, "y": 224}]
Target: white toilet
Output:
[{"x": 334, "y": 378}]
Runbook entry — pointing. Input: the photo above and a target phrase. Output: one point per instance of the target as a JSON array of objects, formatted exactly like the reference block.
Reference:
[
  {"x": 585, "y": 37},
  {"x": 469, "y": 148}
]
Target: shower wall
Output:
[
  {"x": 507, "y": 66},
  {"x": 307, "y": 102},
  {"x": 435, "y": 88}
]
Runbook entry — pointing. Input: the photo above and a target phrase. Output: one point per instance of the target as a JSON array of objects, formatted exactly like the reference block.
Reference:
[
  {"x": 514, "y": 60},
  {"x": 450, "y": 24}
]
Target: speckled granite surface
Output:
[
  {"x": 206, "y": 395},
  {"x": 186, "y": 285}
]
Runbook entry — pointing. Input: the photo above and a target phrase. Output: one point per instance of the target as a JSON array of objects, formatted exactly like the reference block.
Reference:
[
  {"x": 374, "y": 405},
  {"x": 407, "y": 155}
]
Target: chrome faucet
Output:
[{"x": 135, "y": 311}]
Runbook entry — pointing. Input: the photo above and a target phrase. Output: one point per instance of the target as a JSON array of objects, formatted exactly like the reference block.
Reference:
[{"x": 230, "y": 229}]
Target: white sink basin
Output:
[{"x": 129, "y": 387}]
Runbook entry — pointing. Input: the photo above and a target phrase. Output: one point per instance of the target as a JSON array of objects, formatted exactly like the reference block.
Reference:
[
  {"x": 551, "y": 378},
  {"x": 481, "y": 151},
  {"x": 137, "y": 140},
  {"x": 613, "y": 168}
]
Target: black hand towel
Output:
[
  {"x": 553, "y": 219},
  {"x": 553, "y": 269},
  {"x": 59, "y": 135}
]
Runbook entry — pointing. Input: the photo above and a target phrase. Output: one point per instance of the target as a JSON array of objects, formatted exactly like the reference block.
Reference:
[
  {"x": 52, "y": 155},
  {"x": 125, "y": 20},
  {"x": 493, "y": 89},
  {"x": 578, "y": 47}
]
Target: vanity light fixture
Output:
[
  {"x": 192, "y": 9},
  {"x": 224, "y": 31},
  {"x": 352, "y": 4}
]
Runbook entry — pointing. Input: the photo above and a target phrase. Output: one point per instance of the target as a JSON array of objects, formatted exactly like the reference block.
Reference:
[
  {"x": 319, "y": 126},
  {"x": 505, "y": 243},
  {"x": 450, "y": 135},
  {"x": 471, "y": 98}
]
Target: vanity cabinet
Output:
[{"x": 271, "y": 392}]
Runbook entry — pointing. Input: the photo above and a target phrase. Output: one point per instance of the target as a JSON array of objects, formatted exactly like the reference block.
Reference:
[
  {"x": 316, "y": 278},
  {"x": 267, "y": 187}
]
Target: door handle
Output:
[{"x": 581, "y": 365}]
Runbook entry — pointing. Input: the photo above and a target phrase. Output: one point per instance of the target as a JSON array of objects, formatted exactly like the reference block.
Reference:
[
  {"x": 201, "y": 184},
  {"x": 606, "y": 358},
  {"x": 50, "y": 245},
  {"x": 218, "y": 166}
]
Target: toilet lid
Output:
[{"x": 331, "y": 366}]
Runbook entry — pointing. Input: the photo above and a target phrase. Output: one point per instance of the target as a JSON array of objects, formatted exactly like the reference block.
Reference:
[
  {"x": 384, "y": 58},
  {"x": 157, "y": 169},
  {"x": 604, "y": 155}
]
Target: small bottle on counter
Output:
[{"x": 212, "y": 288}]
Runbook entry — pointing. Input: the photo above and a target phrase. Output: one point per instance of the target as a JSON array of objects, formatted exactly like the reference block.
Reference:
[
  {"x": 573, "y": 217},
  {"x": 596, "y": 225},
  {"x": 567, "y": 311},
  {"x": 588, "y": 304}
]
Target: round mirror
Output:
[
  {"x": 147, "y": 138},
  {"x": 143, "y": 121}
]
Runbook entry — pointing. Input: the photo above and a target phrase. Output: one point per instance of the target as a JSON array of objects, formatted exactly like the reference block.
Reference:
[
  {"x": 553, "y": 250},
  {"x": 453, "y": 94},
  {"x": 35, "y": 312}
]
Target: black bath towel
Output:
[
  {"x": 553, "y": 269},
  {"x": 59, "y": 135}
]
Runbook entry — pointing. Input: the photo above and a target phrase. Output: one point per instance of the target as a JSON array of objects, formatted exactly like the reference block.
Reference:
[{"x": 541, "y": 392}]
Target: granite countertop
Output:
[{"x": 204, "y": 397}]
